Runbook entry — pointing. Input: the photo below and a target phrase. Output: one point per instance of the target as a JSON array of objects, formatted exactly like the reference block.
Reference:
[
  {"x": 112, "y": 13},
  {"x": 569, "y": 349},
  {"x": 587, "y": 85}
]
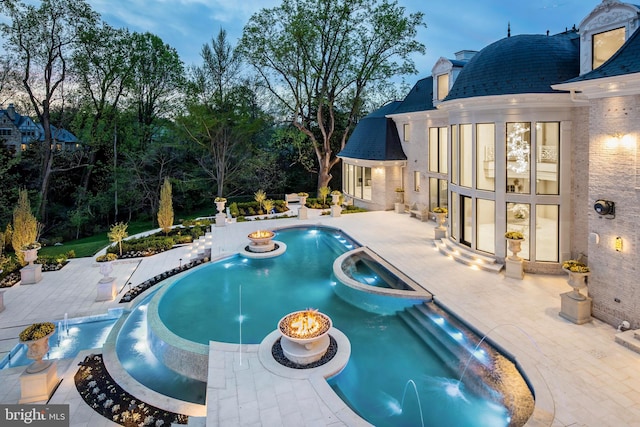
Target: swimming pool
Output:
[
  {"x": 398, "y": 373},
  {"x": 70, "y": 336}
]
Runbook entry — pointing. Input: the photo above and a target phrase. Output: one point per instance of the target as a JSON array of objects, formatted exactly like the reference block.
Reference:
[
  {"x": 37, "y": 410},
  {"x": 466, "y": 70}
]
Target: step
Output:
[
  {"x": 629, "y": 339},
  {"x": 437, "y": 347},
  {"x": 467, "y": 257}
]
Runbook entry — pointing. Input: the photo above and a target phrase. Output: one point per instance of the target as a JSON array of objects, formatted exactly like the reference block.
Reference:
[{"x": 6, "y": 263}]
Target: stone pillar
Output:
[
  {"x": 221, "y": 219},
  {"x": 303, "y": 212},
  {"x": 577, "y": 311},
  {"x": 38, "y": 386},
  {"x": 335, "y": 210},
  {"x": 514, "y": 268},
  {"x": 31, "y": 274}
]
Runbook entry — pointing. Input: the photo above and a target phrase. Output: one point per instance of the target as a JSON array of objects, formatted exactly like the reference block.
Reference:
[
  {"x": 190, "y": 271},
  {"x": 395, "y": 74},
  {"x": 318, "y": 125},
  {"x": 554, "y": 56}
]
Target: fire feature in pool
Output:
[
  {"x": 305, "y": 336},
  {"x": 263, "y": 246}
]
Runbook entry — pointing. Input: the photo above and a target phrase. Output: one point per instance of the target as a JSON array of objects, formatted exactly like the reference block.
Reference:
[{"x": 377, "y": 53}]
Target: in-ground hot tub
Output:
[{"x": 363, "y": 277}]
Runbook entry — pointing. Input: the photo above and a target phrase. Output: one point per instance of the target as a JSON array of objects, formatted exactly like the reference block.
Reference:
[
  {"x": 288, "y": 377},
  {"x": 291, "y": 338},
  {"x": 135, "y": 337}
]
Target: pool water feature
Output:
[
  {"x": 203, "y": 305},
  {"x": 70, "y": 336}
]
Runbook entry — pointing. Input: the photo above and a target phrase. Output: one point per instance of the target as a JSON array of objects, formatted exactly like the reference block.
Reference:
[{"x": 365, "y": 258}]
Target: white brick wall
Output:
[{"x": 612, "y": 176}]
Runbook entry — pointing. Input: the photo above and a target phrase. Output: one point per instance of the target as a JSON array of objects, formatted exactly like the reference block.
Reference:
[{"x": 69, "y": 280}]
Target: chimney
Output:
[{"x": 11, "y": 112}]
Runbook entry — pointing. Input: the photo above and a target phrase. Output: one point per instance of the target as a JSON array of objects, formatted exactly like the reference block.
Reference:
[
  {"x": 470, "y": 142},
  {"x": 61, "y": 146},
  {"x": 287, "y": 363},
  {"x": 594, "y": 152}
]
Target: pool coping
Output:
[{"x": 417, "y": 292}]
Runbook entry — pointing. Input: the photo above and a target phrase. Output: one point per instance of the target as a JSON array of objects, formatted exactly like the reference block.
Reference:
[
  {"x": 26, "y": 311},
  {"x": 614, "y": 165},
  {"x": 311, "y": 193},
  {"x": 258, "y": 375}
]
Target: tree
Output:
[
  {"x": 165, "y": 211},
  {"x": 158, "y": 77},
  {"x": 318, "y": 57},
  {"x": 103, "y": 67},
  {"x": 25, "y": 225},
  {"x": 40, "y": 40},
  {"x": 222, "y": 116},
  {"x": 118, "y": 233},
  {"x": 260, "y": 196}
]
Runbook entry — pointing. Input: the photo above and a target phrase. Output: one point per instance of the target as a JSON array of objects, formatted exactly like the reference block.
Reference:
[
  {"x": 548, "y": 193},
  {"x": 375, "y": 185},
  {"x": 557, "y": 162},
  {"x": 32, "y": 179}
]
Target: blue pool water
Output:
[
  {"x": 67, "y": 340},
  {"x": 393, "y": 377}
]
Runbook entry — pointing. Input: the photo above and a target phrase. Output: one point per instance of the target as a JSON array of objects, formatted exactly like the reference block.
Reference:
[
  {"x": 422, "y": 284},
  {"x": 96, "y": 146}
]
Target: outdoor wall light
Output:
[
  {"x": 619, "y": 244},
  {"x": 620, "y": 139},
  {"x": 605, "y": 208}
]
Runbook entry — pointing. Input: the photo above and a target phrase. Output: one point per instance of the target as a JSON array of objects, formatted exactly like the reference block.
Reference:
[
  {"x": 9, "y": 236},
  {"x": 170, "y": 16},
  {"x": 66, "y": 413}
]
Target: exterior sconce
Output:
[
  {"x": 620, "y": 139},
  {"x": 619, "y": 244},
  {"x": 605, "y": 208}
]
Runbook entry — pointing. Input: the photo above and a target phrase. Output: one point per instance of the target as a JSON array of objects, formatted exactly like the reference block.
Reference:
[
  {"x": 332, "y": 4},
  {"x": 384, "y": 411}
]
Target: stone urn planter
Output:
[
  {"x": 220, "y": 202},
  {"x": 335, "y": 197},
  {"x": 30, "y": 255},
  {"x": 514, "y": 266},
  {"x": 36, "y": 338},
  {"x": 303, "y": 198},
  {"x": 575, "y": 306},
  {"x": 106, "y": 289},
  {"x": 514, "y": 244},
  {"x": 577, "y": 279},
  {"x": 399, "y": 195},
  {"x": 221, "y": 218},
  {"x": 31, "y": 273}
]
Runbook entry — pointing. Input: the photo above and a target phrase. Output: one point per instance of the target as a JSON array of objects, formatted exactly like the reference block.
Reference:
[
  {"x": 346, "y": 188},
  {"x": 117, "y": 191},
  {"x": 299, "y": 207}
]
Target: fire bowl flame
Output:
[
  {"x": 305, "y": 327},
  {"x": 261, "y": 241},
  {"x": 305, "y": 336}
]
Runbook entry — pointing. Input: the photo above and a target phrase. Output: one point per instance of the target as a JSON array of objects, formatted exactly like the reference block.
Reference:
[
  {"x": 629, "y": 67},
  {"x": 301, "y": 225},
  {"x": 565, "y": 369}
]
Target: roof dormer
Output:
[
  {"x": 604, "y": 31},
  {"x": 445, "y": 72}
]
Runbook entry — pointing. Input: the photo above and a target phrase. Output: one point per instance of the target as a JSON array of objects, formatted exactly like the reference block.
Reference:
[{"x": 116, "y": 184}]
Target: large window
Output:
[
  {"x": 406, "y": 129},
  {"x": 605, "y": 45},
  {"x": 443, "y": 86},
  {"x": 416, "y": 181},
  {"x": 454, "y": 217},
  {"x": 485, "y": 156},
  {"x": 466, "y": 156},
  {"x": 547, "y": 233},
  {"x": 547, "y": 157},
  {"x": 438, "y": 161},
  {"x": 454, "y": 154},
  {"x": 437, "y": 193},
  {"x": 485, "y": 225},
  {"x": 357, "y": 181},
  {"x": 518, "y": 152},
  {"x": 518, "y": 220}
]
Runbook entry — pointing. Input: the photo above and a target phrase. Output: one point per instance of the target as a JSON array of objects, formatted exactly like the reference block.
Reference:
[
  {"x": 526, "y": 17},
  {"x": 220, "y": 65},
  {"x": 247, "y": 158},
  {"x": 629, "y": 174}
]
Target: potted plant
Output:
[
  {"x": 30, "y": 251},
  {"x": 578, "y": 273},
  {"x": 335, "y": 196},
  {"x": 36, "y": 338},
  {"x": 514, "y": 242},
  {"x": 106, "y": 263},
  {"x": 399, "y": 195},
  {"x": 441, "y": 216},
  {"x": 303, "y": 197},
  {"x": 220, "y": 201}
]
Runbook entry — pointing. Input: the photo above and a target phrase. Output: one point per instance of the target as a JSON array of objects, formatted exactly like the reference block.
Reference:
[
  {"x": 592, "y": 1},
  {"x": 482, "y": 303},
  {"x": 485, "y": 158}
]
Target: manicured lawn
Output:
[{"x": 88, "y": 246}]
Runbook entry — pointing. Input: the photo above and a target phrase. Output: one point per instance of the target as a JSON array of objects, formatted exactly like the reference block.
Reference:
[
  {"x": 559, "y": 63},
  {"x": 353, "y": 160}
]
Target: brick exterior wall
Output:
[{"x": 613, "y": 283}]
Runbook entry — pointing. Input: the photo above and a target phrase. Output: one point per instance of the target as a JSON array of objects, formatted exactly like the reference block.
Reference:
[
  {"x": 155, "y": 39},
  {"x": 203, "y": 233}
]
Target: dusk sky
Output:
[{"x": 451, "y": 25}]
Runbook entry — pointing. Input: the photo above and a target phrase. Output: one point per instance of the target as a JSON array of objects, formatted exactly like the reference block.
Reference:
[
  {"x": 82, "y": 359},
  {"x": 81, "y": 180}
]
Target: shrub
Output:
[{"x": 233, "y": 209}]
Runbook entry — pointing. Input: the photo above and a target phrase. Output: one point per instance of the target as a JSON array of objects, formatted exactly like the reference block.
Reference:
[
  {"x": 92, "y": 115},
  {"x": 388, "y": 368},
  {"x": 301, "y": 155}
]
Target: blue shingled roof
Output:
[
  {"x": 625, "y": 61},
  {"x": 375, "y": 137},
  {"x": 519, "y": 64},
  {"x": 420, "y": 98}
]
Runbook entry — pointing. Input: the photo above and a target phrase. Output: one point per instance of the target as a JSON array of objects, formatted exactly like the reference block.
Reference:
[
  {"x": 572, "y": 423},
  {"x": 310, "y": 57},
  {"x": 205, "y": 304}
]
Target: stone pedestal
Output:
[
  {"x": 221, "y": 219},
  {"x": 514, "y": 269},
  {"x": 335, "y": 210},
  {"x": 440, "y": 234},
  {"x": 398, "y": 207},
  {"x": 31, "y": 274},
  {"x": 303, "y": 212},
  {"x": 575, "y": 310},
  {"x": 106, "y": 289},
  {"x": 39, "y": 386}
]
